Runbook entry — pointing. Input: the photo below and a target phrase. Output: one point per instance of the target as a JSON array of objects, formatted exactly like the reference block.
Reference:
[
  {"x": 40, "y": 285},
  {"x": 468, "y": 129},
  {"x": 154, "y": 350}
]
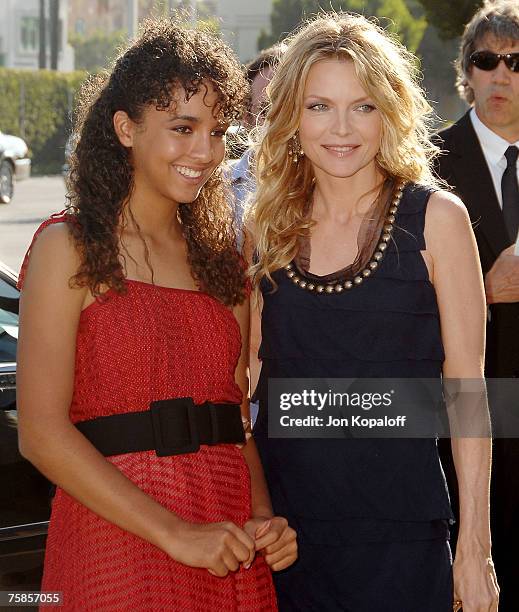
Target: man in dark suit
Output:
[{"x": 480, "y": 163}]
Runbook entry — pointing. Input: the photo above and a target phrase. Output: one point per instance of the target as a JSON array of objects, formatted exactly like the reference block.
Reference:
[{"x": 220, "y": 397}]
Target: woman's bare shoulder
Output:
[
  {"x": 445, "y": 207},
  {"x": 53, "y": 258}
]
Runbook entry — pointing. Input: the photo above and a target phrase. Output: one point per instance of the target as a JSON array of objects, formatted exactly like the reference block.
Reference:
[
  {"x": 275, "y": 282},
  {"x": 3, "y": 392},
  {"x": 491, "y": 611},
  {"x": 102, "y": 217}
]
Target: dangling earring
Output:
[{"x": 295, "y": 151}]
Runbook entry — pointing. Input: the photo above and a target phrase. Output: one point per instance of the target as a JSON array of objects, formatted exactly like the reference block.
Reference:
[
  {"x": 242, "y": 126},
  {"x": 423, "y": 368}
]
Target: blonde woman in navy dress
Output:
[{"x": 366, "y": 268}]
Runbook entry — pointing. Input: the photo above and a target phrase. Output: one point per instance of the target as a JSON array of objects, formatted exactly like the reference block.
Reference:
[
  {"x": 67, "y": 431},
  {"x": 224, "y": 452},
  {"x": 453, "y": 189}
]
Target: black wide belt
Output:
[{"x": 169, "y": 427}]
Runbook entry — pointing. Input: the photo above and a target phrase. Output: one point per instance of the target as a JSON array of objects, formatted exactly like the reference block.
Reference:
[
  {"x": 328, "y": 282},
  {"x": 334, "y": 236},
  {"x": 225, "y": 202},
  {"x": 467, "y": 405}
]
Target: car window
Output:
[
  {"x": 24, "y": 492},
  {"x": 8, "y": 322}
]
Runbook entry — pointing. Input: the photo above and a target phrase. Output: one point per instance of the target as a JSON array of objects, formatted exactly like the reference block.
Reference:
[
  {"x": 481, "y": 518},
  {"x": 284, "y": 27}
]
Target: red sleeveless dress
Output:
[{"x": 154, "y": 343}]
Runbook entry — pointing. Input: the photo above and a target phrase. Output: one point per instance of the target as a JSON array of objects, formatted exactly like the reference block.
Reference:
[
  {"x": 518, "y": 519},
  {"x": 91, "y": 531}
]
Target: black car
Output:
[{"x": 25, "y": 495}]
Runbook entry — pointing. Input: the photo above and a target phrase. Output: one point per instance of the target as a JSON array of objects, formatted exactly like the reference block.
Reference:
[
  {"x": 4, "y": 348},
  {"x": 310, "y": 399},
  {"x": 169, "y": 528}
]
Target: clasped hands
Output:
[{"x": 224, "y": 547}]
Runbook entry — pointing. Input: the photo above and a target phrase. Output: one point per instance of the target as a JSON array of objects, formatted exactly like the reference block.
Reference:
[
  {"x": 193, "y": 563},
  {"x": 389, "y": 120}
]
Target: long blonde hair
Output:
[{"x": 389, "y": 75}]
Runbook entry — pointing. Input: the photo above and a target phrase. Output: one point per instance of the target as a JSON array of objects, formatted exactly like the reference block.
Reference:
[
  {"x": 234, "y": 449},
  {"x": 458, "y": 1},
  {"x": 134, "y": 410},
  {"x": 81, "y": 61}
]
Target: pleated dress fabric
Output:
[
  {"x": 351, "y": 494},
  {"x": 150, "y": 344}
]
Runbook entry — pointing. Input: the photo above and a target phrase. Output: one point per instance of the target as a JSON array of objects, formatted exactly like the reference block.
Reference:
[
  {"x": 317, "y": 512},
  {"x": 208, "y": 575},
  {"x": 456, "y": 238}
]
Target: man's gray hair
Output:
[{"x": 497, "y": 19}]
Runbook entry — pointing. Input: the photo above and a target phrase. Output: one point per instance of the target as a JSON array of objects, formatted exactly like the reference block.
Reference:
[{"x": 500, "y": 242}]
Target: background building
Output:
[
  {"x": 240, "y": 21},
  {"x": 20, "y": 35}
]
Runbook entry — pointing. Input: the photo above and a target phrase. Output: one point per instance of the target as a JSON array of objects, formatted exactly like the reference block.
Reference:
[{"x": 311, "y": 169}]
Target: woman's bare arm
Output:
[
  {"x": 456, "y": 275},
  {"x": 261, "y": 506},
  {"x": 272, "y": 534}
]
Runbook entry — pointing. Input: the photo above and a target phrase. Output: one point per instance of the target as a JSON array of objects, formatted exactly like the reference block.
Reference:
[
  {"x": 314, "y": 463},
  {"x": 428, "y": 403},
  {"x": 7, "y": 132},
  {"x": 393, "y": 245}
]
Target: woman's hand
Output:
[
  {"x": 275, "y": 539},
  {"x": 475, "y": 582},
  {"x": 218, "y": 547}
]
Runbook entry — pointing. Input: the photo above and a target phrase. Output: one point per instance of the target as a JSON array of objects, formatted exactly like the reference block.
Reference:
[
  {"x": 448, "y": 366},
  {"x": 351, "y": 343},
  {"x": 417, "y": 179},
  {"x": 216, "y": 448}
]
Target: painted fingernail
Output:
[{"x": 263, "y": 528}]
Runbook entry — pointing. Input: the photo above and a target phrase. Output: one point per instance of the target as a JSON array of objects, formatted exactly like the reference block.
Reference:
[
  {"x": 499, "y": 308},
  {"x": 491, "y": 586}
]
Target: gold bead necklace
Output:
[{"x": 339, "y": 287}]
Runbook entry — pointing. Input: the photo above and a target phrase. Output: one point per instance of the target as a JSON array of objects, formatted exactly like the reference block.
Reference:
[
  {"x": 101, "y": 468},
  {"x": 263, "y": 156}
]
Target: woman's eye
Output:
[
  {"x": 318, "y": 107},
  {"x": 366, "y": 108},
  {"x": 182, "y": 129},
  {"x": 219, "y": 133}
]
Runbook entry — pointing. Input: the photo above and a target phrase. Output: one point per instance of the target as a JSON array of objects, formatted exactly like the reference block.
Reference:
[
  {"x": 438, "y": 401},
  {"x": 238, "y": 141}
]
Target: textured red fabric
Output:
[{"x": 150, "y": 344}]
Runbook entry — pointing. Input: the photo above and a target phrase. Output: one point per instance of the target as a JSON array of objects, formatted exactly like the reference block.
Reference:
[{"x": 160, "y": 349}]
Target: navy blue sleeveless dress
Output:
[{"x": 371, "y": 514}]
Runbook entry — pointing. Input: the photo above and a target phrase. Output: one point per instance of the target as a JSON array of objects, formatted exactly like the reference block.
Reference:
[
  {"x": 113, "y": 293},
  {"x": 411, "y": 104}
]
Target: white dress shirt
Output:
[{"x": 494, "y": 148}]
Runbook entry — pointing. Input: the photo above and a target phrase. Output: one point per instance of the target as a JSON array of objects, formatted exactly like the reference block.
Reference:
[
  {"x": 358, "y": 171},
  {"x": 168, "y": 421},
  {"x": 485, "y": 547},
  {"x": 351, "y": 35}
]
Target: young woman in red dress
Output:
[{"x": 133, "y": 344}]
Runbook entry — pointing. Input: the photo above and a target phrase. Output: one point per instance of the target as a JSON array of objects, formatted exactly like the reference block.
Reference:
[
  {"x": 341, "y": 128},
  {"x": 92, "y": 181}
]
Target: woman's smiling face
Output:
[
  {"x": 174, "y": 152},
  {"x": 340, "y": 128}
]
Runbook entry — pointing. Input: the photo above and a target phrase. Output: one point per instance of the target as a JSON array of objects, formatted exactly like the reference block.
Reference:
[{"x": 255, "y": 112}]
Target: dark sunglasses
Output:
[{"x": 486, "y": 60}]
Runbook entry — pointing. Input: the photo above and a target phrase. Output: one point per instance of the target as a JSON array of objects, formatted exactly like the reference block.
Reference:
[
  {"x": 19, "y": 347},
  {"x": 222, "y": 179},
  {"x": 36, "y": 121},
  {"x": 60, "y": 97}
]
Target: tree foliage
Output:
[
  {"x": 37, "y": 105},
  {"x": 97, "y": 50},
  {"x": 450, "y": 17},
  {"x": 406, "y": 19}
]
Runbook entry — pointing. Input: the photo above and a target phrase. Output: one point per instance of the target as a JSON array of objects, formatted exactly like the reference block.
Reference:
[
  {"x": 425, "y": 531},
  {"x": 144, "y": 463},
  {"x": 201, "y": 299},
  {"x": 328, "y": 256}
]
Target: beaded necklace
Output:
[{"x": 339, "y": 287}]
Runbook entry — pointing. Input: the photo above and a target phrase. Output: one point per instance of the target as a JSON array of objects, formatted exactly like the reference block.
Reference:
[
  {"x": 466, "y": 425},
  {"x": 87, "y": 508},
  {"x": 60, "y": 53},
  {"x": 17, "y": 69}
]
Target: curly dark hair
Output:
[{"x": 164, "y": 57}]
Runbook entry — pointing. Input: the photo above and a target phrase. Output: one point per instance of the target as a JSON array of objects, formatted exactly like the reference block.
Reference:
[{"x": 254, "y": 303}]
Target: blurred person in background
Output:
[{"x": 259, "y": 72}]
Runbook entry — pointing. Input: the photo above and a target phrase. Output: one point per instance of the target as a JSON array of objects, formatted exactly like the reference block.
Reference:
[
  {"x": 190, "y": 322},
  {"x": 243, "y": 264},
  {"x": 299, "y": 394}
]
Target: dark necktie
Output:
[{"x": 510, "y": 191}]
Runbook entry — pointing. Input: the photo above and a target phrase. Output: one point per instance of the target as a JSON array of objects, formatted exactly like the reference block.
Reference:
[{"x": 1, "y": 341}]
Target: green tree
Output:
[
  {"x": 450, "y": 17},
  {"x": 285, "y": 16},
  {"x": 97, "y": 50},
  {"x": 408, "y": 25},
  {"x": 437, "y": 64},
  {"x": 406, "y": 19},
  {"x": 37, "y": 105}
]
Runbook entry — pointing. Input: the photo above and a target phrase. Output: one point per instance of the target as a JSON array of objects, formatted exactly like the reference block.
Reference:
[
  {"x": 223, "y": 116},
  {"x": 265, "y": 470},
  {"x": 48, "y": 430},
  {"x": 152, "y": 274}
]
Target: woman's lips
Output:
[
  {"x": 191, "y": 175},
  {"x": 340, "y": 150}
]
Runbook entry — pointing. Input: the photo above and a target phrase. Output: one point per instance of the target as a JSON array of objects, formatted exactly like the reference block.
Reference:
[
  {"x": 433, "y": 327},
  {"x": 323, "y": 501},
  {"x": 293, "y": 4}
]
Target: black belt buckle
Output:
[{"x": 176, "y": 414}]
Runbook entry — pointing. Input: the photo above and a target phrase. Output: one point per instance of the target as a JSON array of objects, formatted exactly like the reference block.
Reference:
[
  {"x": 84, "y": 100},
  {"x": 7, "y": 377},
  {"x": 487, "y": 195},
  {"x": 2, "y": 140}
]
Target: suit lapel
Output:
[{"x": 474, "y": 182}]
